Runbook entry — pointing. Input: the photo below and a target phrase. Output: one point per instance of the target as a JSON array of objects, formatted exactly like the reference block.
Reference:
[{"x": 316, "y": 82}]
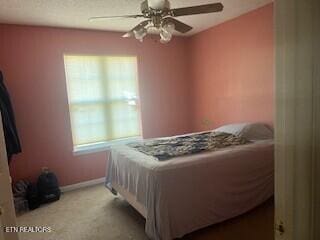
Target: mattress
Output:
[{"x": 190, "y": 192}]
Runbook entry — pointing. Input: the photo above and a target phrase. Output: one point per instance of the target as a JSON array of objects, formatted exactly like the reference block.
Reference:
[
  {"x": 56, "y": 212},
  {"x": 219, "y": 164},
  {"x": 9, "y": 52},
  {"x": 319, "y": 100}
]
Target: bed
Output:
[{"x": 189, "y": 192}]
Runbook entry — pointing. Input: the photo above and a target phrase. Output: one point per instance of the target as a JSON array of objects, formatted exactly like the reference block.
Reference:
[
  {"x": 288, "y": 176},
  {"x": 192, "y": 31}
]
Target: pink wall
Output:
[
  {"x": 32, "y": 61},
  {"x": 232, "y": 68}
]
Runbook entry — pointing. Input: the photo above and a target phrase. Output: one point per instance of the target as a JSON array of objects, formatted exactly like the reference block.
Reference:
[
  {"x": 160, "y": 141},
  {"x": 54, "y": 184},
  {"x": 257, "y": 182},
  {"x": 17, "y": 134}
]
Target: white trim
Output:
[
  {"x": 76, "y": 186},
  {"x": 102, "y": 146}
]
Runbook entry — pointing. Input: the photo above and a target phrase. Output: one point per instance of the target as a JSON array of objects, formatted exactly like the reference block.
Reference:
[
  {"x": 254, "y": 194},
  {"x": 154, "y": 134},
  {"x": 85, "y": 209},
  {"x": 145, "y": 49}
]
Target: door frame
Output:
[{"x": 7, "y": 212}]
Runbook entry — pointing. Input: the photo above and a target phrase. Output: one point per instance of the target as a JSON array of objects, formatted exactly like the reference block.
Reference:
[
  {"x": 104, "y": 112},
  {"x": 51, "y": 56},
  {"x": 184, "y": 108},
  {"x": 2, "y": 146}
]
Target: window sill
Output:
[{"x": 102, "y": 146}]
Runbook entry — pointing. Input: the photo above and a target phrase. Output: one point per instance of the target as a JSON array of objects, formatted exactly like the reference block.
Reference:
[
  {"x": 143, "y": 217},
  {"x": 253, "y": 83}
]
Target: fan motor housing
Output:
[{"x": 148, "y": 10}]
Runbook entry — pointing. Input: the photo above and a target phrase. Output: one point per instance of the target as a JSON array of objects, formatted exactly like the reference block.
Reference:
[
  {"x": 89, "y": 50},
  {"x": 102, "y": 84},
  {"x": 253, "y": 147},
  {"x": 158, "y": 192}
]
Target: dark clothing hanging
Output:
[{"x": 8, "y": 121}]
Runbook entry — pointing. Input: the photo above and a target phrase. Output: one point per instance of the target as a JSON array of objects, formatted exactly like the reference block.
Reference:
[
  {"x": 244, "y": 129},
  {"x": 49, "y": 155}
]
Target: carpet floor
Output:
[{"x": 93, "y": 214}]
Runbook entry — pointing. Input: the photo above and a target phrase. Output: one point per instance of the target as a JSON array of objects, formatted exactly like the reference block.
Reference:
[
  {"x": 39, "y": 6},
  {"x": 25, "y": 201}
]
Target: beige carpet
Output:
[{"x": 94, "y": 213}]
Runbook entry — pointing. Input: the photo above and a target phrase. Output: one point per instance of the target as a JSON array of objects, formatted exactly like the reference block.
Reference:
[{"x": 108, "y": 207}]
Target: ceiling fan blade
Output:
[
  {"x": 179, "y": 26},
  {"x": 139, "y": 26},
  {"x": 208, "y": 8},
  {"x": 112, "y": 17}
]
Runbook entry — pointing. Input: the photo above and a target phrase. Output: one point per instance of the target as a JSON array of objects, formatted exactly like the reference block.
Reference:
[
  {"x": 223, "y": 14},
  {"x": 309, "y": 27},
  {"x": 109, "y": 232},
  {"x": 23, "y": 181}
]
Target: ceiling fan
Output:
[{"x": 161, "y": 17}]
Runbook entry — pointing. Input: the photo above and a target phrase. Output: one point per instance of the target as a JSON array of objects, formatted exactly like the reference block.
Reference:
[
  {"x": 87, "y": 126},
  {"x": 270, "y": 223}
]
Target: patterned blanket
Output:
[{"x": 164, "y": 149}]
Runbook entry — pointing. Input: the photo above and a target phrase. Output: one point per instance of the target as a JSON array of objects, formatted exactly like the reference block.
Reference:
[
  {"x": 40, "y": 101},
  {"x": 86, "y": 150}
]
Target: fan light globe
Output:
[
  {"x": 165, "y": 36},
  {"x": 166, "y": 32},
  {"x": 169, "y": 27},
  {"x": 140, "y": 34}
]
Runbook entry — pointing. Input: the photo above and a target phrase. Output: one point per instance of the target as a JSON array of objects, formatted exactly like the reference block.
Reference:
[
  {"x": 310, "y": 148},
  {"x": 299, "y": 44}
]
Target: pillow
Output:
[{"x": 250, "y": 131}]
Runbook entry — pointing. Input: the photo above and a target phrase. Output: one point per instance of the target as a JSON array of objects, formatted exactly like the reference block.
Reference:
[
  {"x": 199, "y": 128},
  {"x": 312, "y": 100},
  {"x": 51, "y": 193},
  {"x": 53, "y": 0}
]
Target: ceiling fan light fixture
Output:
[
  {"x": 139, "y": 34},
  {"x": 166, "y": 32},
  {"x": 165, "y": 36},
  {"x": 168, "y": 27}
]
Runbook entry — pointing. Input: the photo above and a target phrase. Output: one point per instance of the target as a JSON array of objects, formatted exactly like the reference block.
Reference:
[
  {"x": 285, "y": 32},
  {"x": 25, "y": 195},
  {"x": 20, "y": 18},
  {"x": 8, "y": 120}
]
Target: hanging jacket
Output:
[{"x": 8, "y": 121}]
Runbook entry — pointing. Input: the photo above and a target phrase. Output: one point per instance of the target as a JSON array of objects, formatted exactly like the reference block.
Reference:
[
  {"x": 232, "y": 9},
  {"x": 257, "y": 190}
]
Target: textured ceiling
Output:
[{"x": 75, "y": 13}]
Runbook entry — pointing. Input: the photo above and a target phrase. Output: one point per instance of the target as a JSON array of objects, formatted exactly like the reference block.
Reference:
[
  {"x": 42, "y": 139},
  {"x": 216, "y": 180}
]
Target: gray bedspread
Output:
[{"x": 190, "y": 192}]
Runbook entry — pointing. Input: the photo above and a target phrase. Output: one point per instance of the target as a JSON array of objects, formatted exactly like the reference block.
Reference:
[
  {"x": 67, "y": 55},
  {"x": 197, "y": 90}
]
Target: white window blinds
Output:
[{"x": 103, "y": 98}]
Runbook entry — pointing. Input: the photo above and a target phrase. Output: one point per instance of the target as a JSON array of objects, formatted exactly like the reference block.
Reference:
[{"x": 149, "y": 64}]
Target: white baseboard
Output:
[{"x": 76, "y": 186}]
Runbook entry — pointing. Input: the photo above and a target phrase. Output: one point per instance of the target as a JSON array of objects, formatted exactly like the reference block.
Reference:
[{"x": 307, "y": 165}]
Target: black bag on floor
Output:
[
  {"x": 48, "y": 187},
  {"x": 33, "y": 196}
]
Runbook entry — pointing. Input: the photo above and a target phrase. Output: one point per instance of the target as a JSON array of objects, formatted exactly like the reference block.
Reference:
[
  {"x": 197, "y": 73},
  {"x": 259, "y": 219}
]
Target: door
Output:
[
  {"x": 7, "y": 213},
  {"x": 297, "y": 167}
]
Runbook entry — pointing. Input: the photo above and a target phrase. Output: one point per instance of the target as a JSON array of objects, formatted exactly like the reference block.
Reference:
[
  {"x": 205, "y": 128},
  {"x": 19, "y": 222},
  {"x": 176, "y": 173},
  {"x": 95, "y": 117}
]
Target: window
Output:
[{"x": 103, "y": 99}]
